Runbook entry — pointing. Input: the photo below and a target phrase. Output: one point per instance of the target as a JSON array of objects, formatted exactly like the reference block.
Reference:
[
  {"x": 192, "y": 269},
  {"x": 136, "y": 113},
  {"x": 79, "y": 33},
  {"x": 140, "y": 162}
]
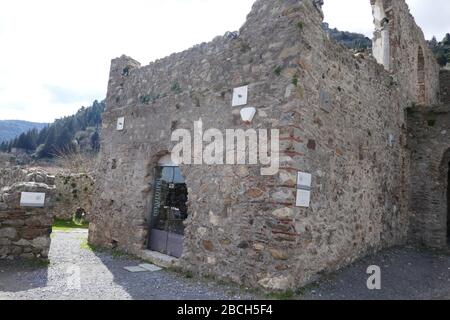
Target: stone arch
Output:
[
  {"x": 421, "y": 77},
  {"x": 168, "y": 206}
]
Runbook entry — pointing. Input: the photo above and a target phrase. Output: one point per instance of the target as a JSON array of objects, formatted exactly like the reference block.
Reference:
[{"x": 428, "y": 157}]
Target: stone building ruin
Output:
[{"x": 358, "y": 126}]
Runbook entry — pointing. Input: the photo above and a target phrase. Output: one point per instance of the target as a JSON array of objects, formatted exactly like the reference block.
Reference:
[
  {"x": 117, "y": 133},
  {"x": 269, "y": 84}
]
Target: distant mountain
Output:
[
  {"x": 79, "y": 132},
  {"x": 9, "y": 129},
  {"x": 351, "y": 40}
]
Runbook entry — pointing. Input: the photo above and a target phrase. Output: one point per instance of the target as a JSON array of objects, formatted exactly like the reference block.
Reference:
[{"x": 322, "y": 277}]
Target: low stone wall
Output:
[
  {"x": 9, "y": 176},
  {"x": 6, "y": 160},
  {"x": 73, "y": 191},
  {"x": 445, "y": 86},
  {"x": 25, "y": 231}
]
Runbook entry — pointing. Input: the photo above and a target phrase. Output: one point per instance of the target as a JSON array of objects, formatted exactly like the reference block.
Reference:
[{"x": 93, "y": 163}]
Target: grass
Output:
[
  {"x": 115, "y": 253},
  {"x": 86, "y": 246},
  {"x": 68, "y": 225},
  {"x": 278, "y": 70},
  {"x": 285, "y": 295},
  {"x": 295, "y": 80}
]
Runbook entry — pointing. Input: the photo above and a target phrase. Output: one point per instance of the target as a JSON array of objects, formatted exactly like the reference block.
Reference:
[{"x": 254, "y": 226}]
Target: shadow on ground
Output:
[
  {"x": 22, "y": 275},
  {"x": 406, "y": 273},
  {"x": 77, "y": 272}
]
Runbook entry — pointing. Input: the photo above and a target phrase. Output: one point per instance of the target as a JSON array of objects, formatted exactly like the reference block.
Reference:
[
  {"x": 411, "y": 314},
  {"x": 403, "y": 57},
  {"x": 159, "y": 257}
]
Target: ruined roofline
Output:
[
  {"x": 237, "y": 34},
  {"x": 244, "y": 34},
  {"x": 398, "y": 43},
  {"x": 219, "y": 39}
]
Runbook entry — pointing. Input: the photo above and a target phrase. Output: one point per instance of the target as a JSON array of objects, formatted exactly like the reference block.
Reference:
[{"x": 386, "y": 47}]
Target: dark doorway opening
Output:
[{"x": 169, "y": 210}]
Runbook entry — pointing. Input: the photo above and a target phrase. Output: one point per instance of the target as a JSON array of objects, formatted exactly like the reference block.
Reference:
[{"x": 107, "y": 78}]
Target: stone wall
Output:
[
  {"x": 12, "y": 175},
  {"x": 25, "y": 232},
  {"x": 9, "y": 176},
  {"x": 429, "y": 144},
  {"x": 6, "y": 160},
  {"x": 445, "y": 86},
  {"x": 73, "y": 191},
  {"x": 407, "y": 55},
  {"x": 341, "y": 118}
]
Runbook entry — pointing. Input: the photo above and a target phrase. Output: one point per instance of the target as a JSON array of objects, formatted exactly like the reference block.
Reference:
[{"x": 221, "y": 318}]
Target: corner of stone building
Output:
[
  {"x": 121, "y": 68},
  {"x": 400, "y": 46}
]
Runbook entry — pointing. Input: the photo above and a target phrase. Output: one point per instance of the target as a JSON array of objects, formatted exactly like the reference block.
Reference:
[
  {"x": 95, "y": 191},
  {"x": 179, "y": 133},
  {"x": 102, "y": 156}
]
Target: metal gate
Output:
[{"x": 169, "y": 211}]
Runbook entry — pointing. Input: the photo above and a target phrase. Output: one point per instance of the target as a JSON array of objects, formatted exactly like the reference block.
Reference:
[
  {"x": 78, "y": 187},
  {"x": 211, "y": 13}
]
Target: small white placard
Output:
[
  {"x": 304, "y": 180},
  {"x": 240, "y": 96},
  {"x": 391, "y": 140},
  {"x": 120, "y": 123},
  {"x": 303, "y": 198},
  {"x": 31, "y": 199},
  {"x": 247, "y": 114}
]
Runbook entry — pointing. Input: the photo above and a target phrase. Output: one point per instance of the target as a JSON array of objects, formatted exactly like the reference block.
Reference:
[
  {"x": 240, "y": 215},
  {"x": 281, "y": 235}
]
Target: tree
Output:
[
  {"x": 433, "y": 42},
  {"x": 59, "y": 136},
  {"x": 95, "y": 141},
  {"x": 442, "y": 59},
  {"x": 446, "y": 40}
]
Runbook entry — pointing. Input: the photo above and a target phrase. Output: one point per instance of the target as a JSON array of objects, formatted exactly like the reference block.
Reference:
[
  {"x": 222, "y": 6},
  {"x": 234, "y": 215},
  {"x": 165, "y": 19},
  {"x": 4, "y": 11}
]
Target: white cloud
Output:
[
  {"x": 68, "y": 46},
  {"x": 55, "y": 55}
]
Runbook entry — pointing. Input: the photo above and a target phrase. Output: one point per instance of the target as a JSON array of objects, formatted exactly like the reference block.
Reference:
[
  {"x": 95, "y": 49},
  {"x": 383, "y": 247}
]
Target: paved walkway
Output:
[
  {"x": 101, "y": 277},
  {"x": 406, "y": 273}
]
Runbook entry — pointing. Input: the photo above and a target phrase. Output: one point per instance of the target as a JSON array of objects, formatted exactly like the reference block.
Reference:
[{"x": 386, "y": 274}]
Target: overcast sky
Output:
[{"x": 55, "y": 55}]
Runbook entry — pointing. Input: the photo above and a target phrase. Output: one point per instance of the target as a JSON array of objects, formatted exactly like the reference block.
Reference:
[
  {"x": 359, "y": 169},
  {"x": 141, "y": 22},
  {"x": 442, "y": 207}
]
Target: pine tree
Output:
[{"x": 95, "y": 141}]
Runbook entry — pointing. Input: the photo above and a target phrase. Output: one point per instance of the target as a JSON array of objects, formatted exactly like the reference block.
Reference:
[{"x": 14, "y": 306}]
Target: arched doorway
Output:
[
  {"x": 421, "y": 76},
  {"x": 169, "y": 210}
]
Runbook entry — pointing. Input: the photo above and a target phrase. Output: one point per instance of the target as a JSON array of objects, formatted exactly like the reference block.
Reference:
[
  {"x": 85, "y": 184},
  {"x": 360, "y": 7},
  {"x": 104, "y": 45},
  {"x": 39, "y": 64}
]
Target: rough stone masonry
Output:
[
  {"x": 341, "y": 117},
  {"x": 24, "y": 231}
]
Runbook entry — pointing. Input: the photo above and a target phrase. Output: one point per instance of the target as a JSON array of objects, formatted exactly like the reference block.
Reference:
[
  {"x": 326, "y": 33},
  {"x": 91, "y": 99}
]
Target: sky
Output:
[{"x": 55, "y": 55}]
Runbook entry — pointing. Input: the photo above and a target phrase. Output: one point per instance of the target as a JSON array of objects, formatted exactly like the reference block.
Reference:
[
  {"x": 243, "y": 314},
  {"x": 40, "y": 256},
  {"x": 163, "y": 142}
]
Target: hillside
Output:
[
  {"x": 356, "y": 41},
  {"x": 79, "y": 132},
  {"x": 351, "y": 40},
  {"x": 9, "y": 129},
  {"x": 441, "y": 49}
]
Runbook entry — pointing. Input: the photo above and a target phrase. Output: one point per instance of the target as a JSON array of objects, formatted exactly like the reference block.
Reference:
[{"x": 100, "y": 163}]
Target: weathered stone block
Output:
[{"x": 9, "y": 233}]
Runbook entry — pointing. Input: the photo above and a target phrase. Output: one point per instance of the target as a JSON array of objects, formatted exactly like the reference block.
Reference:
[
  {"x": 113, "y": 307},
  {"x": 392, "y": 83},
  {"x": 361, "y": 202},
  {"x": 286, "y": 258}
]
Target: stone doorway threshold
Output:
[{"x": 159, "y": 259}]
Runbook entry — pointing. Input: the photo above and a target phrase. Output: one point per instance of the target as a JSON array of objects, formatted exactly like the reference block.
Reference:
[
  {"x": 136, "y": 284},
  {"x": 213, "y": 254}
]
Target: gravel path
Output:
[
  {"x": 406, "y": 273},
  {"x": 102, "y": 277}
]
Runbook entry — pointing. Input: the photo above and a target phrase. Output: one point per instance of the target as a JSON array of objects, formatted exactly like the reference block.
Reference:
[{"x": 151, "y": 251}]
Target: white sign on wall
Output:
[
  {"x": 303, "y": 190},
  {"x": 391, "y": 140},
  {"x": 240, "y": 96},
  {"x": 304, "y": 180},
  {"x": 32, "y": 199},
  {"x": 303, "y": 198},
  {"x": 120, "y": 123},
  {"x": 247, "y": 114}
]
